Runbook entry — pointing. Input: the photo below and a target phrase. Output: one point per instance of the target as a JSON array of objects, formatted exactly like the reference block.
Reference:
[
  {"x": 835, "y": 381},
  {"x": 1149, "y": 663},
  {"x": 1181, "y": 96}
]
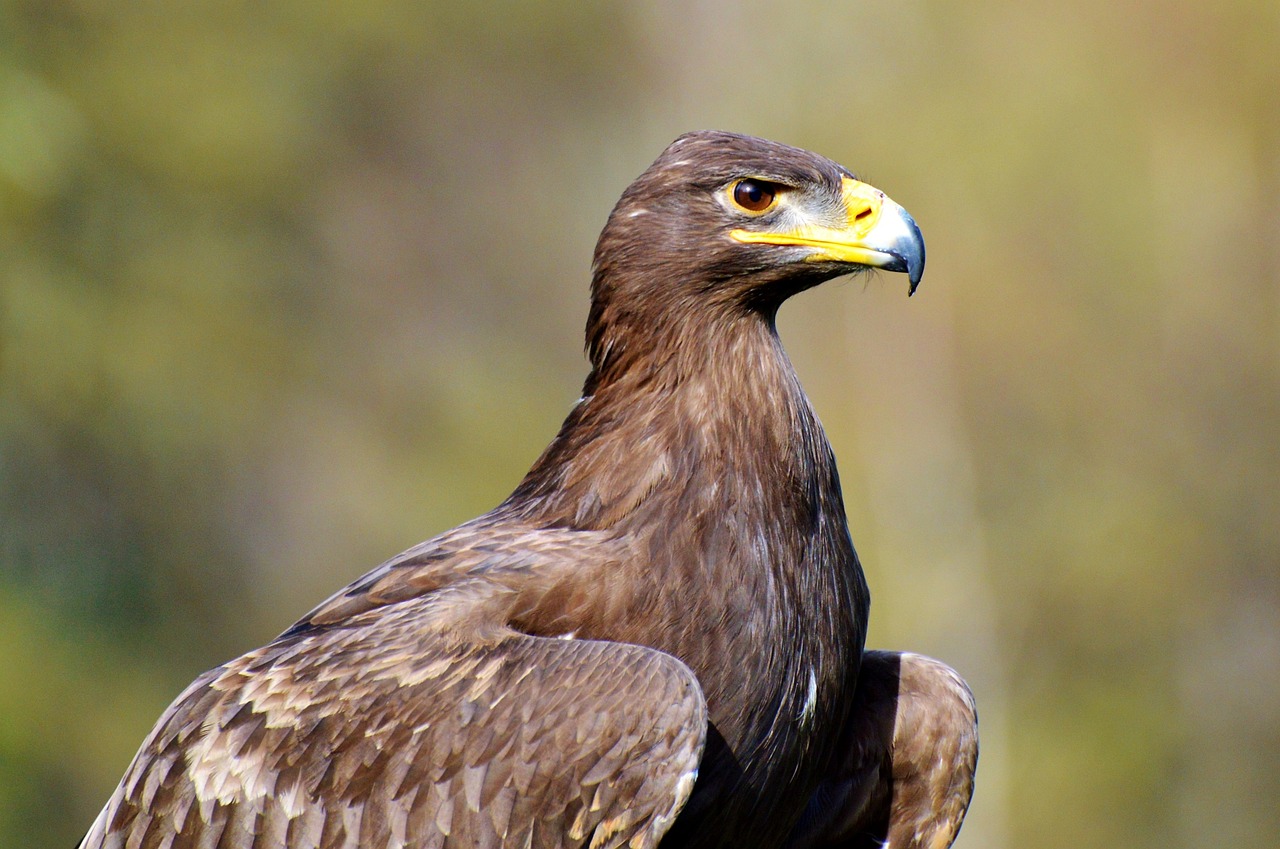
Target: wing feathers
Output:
[
  {"x": 906, "y": 774},
  {"x": 531, "y": 741}
]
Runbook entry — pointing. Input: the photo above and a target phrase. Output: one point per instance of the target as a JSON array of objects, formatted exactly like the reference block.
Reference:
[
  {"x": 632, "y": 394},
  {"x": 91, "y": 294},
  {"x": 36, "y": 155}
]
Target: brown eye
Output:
[{"x": 753, "y": 195}]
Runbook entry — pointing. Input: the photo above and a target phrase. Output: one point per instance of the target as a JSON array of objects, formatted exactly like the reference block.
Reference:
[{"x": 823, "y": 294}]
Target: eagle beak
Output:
[{"x": 876, "y": 232}]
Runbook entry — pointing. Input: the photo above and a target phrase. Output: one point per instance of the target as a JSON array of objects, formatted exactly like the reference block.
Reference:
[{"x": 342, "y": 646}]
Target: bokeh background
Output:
[{"x": 287, "y": 287}]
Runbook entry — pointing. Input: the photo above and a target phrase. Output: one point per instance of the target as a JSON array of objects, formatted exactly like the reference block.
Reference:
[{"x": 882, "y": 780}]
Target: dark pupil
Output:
[{"x": 752, "y": 195}]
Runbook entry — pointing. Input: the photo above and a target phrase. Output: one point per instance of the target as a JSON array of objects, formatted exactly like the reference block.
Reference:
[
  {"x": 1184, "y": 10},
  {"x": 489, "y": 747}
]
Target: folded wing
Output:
[{"x": 350, "y": 737}]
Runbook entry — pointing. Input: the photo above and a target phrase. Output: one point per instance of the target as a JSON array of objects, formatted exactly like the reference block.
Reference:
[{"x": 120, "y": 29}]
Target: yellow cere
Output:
[{"x": 843, "y": 243}]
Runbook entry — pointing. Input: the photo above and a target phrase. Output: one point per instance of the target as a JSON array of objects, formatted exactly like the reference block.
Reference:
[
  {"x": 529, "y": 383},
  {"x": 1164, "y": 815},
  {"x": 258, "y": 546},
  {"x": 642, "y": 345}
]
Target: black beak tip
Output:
[{"x": 913, "y": 256}]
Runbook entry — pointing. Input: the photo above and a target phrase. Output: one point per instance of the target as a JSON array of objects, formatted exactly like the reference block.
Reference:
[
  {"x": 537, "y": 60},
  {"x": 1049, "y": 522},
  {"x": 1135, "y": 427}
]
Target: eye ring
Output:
[{"x": 754, "y": 196}]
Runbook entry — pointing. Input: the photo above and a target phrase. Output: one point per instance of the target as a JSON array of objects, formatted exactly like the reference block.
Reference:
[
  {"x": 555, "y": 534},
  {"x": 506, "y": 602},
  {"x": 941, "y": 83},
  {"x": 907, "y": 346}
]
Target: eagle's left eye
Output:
[{"x": 754, "y": 196}]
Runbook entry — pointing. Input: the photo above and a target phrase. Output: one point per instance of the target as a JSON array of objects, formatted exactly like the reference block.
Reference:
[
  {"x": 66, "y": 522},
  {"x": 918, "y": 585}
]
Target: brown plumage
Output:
[{"x": 656, "y": 637}]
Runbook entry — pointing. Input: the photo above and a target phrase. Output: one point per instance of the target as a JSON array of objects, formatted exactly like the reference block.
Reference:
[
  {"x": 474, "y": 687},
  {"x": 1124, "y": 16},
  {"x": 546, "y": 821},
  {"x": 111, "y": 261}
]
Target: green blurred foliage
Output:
[{"x": 285, "y": 288}]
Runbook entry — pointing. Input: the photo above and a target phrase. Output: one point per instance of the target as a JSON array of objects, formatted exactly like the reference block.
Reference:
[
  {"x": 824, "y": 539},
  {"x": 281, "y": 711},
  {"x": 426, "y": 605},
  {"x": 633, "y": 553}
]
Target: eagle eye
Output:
[{"x": 754, "y": 196}]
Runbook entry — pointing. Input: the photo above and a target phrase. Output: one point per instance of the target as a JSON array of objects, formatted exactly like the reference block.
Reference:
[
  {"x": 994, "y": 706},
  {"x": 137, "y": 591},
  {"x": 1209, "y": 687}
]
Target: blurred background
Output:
[{"x": 286, "y": 288}]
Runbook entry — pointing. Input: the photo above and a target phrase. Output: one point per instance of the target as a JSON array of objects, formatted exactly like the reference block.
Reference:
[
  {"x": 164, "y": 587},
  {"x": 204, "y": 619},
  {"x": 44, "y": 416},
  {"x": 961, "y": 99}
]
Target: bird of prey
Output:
[{"x": 658, "y": 638}]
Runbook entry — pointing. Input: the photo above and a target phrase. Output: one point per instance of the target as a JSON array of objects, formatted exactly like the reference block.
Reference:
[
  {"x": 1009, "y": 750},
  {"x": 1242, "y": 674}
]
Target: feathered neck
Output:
[{"x": 680, "y": 407}]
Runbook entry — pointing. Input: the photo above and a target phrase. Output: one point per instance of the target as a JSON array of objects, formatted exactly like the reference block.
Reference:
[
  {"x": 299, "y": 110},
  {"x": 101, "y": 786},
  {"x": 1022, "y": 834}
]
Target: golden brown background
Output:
[{"x": 286, "y": 287}]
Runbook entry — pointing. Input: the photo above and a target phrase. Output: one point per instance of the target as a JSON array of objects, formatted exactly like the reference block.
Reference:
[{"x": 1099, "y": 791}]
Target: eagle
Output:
[{"x": 658, "y": 638}]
